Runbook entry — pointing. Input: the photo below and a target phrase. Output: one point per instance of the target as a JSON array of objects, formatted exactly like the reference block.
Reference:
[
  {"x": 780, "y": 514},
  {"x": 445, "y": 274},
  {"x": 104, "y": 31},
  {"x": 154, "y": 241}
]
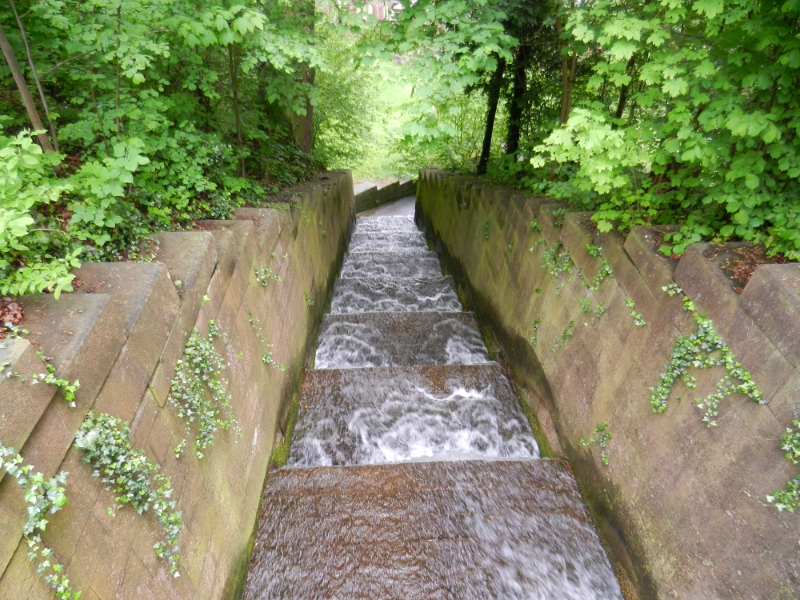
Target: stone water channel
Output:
[{"x": 413, "y": 472}]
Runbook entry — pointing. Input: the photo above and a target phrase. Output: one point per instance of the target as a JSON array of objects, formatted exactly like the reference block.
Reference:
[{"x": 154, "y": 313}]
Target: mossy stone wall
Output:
[
  {"x": 681, "y": 506},
  {"x": 120, "y": 334}
]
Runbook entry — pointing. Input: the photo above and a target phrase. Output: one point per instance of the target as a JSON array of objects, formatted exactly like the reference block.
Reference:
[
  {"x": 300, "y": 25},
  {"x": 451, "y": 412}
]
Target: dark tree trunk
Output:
[
  {"x": 569, "y": 64},
  {"x": 623, "y": 95},
  {"x": 304, "y": 127},
  {"x": 495, "y": 85},
  {"x": 22, "y": 86},
  {"x": 36, "y": 76},
  {"x": 517, "y": 105}
]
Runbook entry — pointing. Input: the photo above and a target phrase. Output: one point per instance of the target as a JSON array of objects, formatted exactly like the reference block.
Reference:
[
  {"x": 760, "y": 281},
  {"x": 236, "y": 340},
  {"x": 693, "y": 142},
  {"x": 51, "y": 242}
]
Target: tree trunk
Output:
[
  {"x": 569, "y": 65},
  {"x": 495, "y": 85},
  {"x": 517, "y": 106},
  {"x": 304, "y": 129},
  {"x": 22, "y": 86},
  {"x": 623, "y": 95},
  {"x": 305, "y": 126},
  {"x": 235, "y": 85},
  {"x": 35, "y": 76}
]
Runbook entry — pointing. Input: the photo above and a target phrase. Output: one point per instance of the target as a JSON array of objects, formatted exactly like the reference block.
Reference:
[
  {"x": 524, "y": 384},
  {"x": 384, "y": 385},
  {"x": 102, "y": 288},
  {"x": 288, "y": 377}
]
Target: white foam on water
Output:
[
  {"x": 416, "y": 424},
  {"x": 351, "y": 345},
  {"x": 394, "y": 295},
  {"x": 387, "y": 241},
  {"x": 416, "y": 264}
]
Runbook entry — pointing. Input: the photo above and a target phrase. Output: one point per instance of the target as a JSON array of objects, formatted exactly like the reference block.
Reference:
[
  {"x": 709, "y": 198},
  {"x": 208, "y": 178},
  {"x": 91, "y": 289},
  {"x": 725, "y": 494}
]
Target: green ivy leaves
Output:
[
  {"x": 42, "y": 496},
  {"x": 106, "y": 443},
  {"x": 702, "y": 350},
  {"x": 199, "y": 393}
]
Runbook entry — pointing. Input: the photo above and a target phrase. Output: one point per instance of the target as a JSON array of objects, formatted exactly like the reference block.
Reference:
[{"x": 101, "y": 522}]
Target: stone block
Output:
[
  {"x": 13, "y": 516},
  {"x": 772, "y": 299},
  {"x": 552, "y": 224},
  {"x": 268, "y": 223},
  {"x": 83, "y": 334},
  {"x": 142, "y": 423},
  {"x": 576, "y": 235},
  {"x": 150, "y": 304},
  {"x": 21, "y": 403},
  {"x": 191, "y": 258},
  {"x": 656, "y": 269},
  {"x": 699, "y": 276},
  {"x": 785, "y": 403},
  {"x": 67, "y": 526}
]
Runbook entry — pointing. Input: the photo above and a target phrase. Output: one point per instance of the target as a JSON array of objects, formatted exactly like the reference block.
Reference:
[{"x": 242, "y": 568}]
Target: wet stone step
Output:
[
  {"x": 389, "y": 294},
  {"x": 366, "y": 224},
  {"x": 387, "y": 241},
  {"x": 383, "y": 415},
  {"x": 399, "y": 339},
  {"x": 428, "y": 530},
  {"x": 419, "y": 264}
]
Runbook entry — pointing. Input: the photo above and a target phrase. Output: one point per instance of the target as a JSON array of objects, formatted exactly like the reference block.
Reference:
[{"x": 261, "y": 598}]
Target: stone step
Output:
[
  {"x": 399, "y": 339},
  {"x": 387, "y": 241},
  {"x": 419, "y": 264},
  {"x": 367, "y": 224},
  {"x": 388, "y": 294},
  {"x": 436, "y": 530},
  {"x": 382, "y": 415}
]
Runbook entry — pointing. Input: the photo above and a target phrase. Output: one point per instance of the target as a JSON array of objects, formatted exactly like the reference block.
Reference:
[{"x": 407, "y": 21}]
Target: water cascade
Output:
[{"x": 413, "y": 471}]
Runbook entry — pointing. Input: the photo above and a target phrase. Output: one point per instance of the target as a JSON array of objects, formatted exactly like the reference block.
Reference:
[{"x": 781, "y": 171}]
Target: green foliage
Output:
[
  {"x": 49, "y": 376},
  {"x": 702, "y": 350},
  {"x": 595, "y": 251},
  {"x": 690, "y": 118},
  {"x": 199, "y": 393},
  {"x": 106, "y": 444},
  {"x": 562, "y": 339},
  {"x": 638, "y": 319},
  {"x": 265, "y": 274},
  {"x": 788, "y": 499},
  {"x": 167, "y": 112},
  {"x": 535, "y": 225},
  {"x": 42, "y": 496},
  {"x": 604, "y": 273},
  {"x": 558, "y": 216},
  {"x": 486, "y": 228},
  {"x": 534, "y": 339},
  {"x": 345, "y": 106},
  {"x": 603, "y": 436},
  {"x": 32, "y": 258},
  {"x": 556, "y": 260}
]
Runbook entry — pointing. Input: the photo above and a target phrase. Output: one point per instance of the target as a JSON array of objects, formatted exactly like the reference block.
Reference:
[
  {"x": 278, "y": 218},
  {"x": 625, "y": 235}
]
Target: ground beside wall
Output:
[
  {"x": 681, "y": 505},
  {"x": 263, "y": 280}
]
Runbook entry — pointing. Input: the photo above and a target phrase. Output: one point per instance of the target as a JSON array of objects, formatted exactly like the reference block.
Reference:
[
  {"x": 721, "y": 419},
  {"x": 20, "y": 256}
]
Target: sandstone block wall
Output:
[
  {"x": 681, "y": 505},
  {"x": 120, "y": 334},
  {"x": 378, "y": 196}
]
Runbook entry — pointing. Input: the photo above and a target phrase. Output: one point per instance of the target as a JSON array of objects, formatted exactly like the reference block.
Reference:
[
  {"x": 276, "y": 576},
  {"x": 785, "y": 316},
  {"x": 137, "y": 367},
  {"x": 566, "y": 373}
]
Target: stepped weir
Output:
[{"x": 413, "y": 471}]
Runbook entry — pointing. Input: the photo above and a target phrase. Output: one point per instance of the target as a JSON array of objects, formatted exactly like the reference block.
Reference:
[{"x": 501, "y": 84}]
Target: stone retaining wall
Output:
[
  {"x": 375, "y": 196},
  {"x": 121, "y": 334},
  {"x": 681, "y": 505}
]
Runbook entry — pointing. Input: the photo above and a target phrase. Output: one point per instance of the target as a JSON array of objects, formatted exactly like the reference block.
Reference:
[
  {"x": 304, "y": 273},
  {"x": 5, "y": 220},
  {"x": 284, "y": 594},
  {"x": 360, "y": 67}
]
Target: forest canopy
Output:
[{"x": 120, "y": 117}]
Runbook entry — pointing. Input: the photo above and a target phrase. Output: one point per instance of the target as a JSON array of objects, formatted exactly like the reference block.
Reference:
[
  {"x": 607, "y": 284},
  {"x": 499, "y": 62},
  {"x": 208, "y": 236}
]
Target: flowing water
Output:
[{"x": 413, "y": 472}]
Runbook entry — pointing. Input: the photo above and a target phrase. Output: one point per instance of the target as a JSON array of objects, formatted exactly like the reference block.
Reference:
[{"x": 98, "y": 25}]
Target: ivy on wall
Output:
[
  {"x": 43, "y": 496},
  {"x": 199, "y": 393},
  {"x": 106, "y": 444}
]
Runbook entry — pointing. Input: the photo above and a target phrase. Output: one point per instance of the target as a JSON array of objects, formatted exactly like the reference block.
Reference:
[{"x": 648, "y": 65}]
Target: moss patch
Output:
[{"x": 280, "y": 453}]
